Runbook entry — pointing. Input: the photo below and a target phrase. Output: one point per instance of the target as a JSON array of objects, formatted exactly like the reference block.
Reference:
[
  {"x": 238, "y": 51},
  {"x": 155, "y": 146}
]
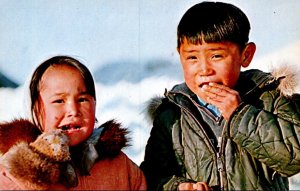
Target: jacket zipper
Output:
[
  {"x": 212, "y": 146},
  {"x": 217, "y": 153},
  {"x": 219, "y": 162}
]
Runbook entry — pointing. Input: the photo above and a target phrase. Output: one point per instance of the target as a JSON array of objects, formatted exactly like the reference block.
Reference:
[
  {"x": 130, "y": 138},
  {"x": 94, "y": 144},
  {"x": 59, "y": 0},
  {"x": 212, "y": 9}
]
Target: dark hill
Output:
[
  {"x": 6, "y": 82},
  {"x": 134, "y": 72}
]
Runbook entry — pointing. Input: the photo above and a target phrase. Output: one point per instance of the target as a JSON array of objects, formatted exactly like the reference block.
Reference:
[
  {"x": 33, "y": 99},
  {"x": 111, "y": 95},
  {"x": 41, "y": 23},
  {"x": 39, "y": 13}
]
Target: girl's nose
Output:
[{"x": 72, "y": 109}]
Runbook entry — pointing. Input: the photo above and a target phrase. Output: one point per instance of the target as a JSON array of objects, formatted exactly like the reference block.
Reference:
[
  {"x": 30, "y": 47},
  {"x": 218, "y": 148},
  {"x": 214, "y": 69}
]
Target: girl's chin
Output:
[
  {"x": 75, "y": 141},
  {"x": 76, "y": 136}
]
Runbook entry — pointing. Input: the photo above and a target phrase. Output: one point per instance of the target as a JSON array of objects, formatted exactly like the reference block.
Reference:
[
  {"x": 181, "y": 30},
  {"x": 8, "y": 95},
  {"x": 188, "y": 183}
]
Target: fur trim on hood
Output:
[
  {"x": 151, "y": 107},
  {"x": 288, "y": 77},
  {"x": 38, "y": 159},
  {"x": 18, "y": 130},
  {"x": 112, "y": 139}
]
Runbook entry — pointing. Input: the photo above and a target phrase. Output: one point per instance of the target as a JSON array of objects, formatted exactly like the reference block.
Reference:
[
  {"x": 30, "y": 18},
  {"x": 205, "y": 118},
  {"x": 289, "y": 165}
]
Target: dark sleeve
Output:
[
  {"x": 272, "y": 133},
  {"x": 160, "y": 164}
]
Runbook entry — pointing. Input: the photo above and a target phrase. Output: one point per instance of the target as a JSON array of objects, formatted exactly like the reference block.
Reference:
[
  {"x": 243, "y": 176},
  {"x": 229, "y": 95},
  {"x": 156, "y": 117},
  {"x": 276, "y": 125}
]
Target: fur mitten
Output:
[{"x": 38, "y": 164}]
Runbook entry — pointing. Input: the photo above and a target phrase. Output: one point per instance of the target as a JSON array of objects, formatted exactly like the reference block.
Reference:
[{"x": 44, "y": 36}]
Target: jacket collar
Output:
[
  {"x": 106, "y": 141},
  {"x": 249, "y": 82}
]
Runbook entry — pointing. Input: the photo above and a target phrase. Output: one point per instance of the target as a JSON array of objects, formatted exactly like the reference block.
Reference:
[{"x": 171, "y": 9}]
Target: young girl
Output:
[{"x": 63, "y": 104}]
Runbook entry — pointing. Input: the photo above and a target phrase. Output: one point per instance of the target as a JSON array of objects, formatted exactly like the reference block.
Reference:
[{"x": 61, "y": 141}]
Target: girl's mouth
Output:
[{"x": 68, "y": 127}]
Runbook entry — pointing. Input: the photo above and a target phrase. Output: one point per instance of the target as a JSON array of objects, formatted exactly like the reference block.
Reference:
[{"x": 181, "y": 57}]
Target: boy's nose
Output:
[{"x": 204, "y": 68}]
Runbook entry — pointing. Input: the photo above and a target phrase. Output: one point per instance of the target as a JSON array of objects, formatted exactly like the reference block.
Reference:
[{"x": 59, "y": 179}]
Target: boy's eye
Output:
[
  {"x": 217, "y": 56},
  {"x": 83, "y": 99},
  {"x": 191, "y": 57}
]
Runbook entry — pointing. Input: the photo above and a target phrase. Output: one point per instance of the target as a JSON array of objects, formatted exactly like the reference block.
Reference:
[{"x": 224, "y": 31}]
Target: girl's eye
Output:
[{"x": 58, "y": 101}]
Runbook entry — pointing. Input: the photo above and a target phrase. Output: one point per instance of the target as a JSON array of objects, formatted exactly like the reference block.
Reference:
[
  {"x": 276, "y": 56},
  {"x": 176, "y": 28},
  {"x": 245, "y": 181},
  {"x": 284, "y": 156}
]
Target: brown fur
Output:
[
  {"x": 113, "y": 139},
  {"x": 16, "y": 131}
]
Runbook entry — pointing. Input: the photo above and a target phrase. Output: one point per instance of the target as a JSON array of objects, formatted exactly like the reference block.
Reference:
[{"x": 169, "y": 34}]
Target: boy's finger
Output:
[
  {"x": 221, "y": 87},
  {"x": 214, "y": 93},
  {"x": 218, "y": 89}
]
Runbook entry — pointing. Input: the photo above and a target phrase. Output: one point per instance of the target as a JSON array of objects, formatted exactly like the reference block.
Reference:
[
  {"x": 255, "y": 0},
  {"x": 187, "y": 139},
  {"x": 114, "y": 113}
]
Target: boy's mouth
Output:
[
  {"x": 68, "y": 127},
  {"x": 207, "y": 83}
]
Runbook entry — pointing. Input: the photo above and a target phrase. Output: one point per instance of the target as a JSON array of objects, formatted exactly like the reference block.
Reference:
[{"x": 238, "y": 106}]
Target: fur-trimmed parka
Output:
[
  {"x": 30, "y": 159},
  {"x": 258, "y": 148}
]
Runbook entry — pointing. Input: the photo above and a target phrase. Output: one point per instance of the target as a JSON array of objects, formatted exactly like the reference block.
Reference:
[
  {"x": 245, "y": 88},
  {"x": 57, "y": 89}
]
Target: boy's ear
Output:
[{"x": 248, "y": 54}]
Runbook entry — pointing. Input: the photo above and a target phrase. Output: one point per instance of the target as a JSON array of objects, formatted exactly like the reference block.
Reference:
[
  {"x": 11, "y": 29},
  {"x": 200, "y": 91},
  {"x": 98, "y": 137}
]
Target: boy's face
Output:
[
  {"x": 65, "y": 103},
  {"x": 212, "y": 62}
]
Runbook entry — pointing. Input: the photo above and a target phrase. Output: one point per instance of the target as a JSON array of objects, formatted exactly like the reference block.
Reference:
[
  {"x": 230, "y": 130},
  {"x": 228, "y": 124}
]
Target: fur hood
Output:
[
  {"x": 286, "y": 76},
  {"x": 112, "y": 139},
  {"x": 39, "y": 159}
]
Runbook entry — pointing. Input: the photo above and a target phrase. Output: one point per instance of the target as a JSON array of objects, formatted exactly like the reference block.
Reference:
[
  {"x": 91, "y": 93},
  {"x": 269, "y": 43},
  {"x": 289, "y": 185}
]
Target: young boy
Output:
[{"x": 222, "y": 129}]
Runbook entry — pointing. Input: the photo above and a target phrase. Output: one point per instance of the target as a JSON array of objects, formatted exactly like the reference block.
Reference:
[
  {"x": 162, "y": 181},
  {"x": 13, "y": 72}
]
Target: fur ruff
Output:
[
  {"x": 45, "y": 161},
  {"x": 151, "y": 107},
  {"x": 113, "y": 139},
  {"x": 288, "y": 77},
  {"x": 18, "y": 130}
]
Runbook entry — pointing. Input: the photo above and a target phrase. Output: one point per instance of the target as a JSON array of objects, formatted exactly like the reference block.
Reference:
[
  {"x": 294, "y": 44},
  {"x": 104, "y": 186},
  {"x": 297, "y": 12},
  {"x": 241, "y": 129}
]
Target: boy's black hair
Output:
[{"x": 213, "y": 22}]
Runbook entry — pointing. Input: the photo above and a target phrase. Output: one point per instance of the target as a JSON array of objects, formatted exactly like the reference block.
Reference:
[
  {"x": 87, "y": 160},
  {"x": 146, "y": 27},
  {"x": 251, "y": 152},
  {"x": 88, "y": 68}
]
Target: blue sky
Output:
[{"x": 99, "y": 32}]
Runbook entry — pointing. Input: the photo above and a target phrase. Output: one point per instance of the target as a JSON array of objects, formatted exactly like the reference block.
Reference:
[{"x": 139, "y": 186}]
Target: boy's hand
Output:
[
  {"x": 194, "y": 186},
  {"x": 224, "y": 98}
]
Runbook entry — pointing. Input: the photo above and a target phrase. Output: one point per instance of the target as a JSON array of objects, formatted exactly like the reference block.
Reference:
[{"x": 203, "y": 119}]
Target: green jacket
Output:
[{"x": 257, "y": 149}]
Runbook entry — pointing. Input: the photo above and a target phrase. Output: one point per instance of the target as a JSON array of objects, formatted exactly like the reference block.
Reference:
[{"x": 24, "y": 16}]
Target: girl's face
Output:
[
  {"x": 65, "y": 103},
  {"x": 213, "y": 62}
]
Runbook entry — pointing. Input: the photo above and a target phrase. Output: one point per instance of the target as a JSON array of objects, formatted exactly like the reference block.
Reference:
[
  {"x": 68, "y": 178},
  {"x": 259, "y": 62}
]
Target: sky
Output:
[{"x": 100, "y": 32}]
